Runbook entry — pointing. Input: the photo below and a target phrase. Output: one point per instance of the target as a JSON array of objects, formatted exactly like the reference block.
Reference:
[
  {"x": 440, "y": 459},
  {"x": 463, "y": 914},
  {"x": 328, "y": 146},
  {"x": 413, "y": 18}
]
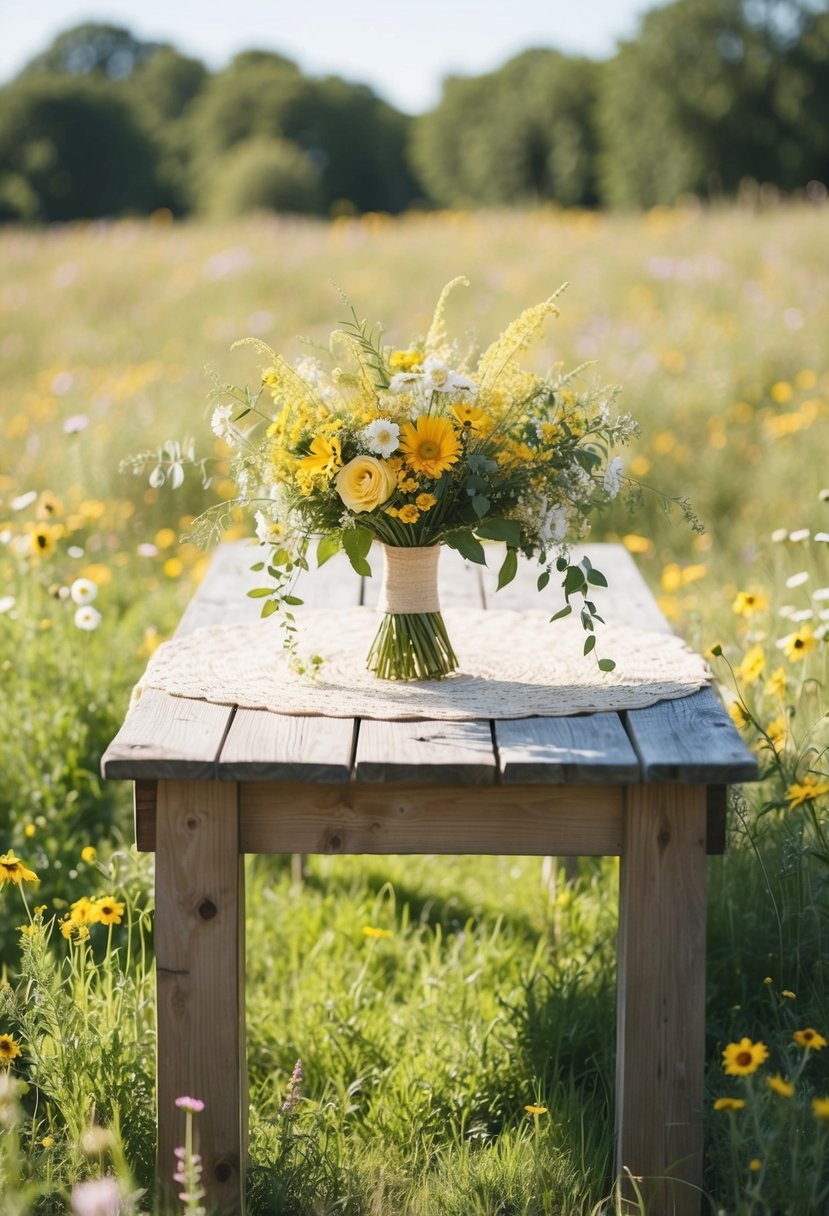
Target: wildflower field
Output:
[{"x": 454, "y": 1018}]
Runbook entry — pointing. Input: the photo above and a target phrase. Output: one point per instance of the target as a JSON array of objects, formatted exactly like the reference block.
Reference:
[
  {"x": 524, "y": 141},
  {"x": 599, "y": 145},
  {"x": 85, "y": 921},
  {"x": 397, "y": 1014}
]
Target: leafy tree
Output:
[
  {"x": 523, "y": 133},
  {"x": 93, "y": 48},
  {"x": 262, "y": 174},
  {"x": 709, "y": 93},
  {"x": 71, "y": 148}
]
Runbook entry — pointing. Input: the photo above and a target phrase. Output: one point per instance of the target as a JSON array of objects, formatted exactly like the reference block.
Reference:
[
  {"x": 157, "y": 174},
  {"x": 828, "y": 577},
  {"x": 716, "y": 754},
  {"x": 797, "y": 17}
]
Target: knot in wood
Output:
[
  {"x": 223, "y": 1171},
  {"x": 664, "y": 838},
  {"x": 207, "y": 909}
]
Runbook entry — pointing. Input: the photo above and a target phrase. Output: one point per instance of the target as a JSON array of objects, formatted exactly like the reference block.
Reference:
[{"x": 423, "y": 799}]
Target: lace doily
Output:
[{"x": 512, "y": 665}]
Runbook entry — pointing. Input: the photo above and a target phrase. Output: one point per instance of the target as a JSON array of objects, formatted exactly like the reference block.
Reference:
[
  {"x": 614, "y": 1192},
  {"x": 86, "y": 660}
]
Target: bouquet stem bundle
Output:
[{"x": 411, "y": 642}]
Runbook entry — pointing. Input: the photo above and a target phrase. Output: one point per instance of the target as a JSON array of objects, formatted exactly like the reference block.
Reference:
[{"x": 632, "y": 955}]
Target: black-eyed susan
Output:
[
  {"x": 743, "y": 1058},
  {"x": 776, "y": 684},
  {"x": 810, "y": 1039},
  {"x": 42, "y": 540},
  {"x": 729, "y": 1104},
  {"x": 85, "y": 911},
  {"x": 749, "y": 603},
  {"x": 431, "y": 446},
  {"x": 751, "y": 667},
  {"x": 778, "y": 1085},
  {"x": 12, "y": 869},
  {"x": 110, "y": 910},
  {"x": 9, "y": 1048},
  {"x": 797, "y": 645}
]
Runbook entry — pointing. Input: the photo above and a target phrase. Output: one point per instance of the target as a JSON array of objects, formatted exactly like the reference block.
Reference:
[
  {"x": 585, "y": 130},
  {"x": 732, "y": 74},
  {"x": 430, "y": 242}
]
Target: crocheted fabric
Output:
[{"x": 512, "y": 665}]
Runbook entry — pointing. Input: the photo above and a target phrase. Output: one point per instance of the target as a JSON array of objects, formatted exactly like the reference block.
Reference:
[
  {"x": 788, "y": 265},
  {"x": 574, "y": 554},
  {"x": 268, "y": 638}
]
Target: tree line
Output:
[{"x": 707, "y": 95}]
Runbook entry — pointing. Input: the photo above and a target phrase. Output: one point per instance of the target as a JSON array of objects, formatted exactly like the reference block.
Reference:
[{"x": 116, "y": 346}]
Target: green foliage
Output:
[
  {"x": 264, "y": 174},
  {"x": 711, "y": 93},
  {"x": 521, "y": 134}
]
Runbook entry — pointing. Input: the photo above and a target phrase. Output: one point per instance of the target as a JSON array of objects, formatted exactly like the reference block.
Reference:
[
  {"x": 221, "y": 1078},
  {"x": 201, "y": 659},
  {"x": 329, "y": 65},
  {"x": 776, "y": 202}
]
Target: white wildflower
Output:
[
  {"x": 613, "y": 477},
  {"x": 381, "y": 436},
  {"x": 23, "y": 500},
  {"x": 222, "y": 424},
  {"x": 83, "y": 591},
  {"x": 797, "y": 580},
  {"x": 799, "y": 535},
  {"x": 87, "y": 618},
  {"x": 7, "y": 602},
  {"x": 268, "y": 531},
  {"x": 822, "y": 593},
  {"x": 779, "y": 534}
]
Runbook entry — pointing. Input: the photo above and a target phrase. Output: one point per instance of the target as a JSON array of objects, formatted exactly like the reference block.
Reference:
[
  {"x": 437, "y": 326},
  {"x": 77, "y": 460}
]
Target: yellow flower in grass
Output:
[
  {"x": 738, "y": 714},
  {"x": 324, "y": 458},
  {"x": 810, "y": 1039},
  {"x": 12, "y": 869},
  {"x": 729, "y": 1104},
  {"x": 536, "y": 1110},
  {"x": 9, "y": 1049},
  {"x": 797, "y": 645},
  {"x": 755, "y": 1164},
  {"x": 42, "y": 540},
  {"x": 85, "y": 912},
  {"x": 425, "y": 502},
  {"x": 371, "y": 931},
  {"x": 743, "y": 1058},
  {"x": 751, "y": 668},
  {"x": 408, "y": 514},
  {"x": 431, "y": 446},
  {"x": 807, "y": 789},
  {"x": 72, "y": 931},
  {"x": 365, "y": 483},
  {"x": 110, "y": 910},
  {"x": 404, "y": 360},
  {"x": 776, "y": 731},
  {"x": 748, "y": 603},
  {"x": 775, "y": 685},
  {"x": 820, "y": 1109},
  {"x": 89, "y": 853},
  {"x": 784, "y": 1088}
]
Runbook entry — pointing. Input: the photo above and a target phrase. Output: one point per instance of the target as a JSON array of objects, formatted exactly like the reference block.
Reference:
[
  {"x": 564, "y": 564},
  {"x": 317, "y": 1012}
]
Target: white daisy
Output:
[
  {"x": 613, "y": 477},
  {"x": 222, "y": 424},
  {"x": 87, "y": 618},
  {"x": 83, "y": 591},
  {"x": 381, "y": 436}
]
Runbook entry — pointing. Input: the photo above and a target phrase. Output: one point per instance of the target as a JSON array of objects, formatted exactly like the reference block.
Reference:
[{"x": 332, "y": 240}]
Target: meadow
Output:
[{"x": 430, "y": 1001}]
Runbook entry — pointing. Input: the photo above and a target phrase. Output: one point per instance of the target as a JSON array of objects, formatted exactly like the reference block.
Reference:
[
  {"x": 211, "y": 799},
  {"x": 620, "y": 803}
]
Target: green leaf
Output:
[
  {"x": 293, "y": 600},
  {"x": 561, "y": 613},
  {"x": 543, "y": 579},
  {"x": 606, "y": 665},
  {"x": 573, "y": 580},
  {"x": 466, "y": 545},
  {"x": 589, "y": 643},
  {"x": 508, "y": 569},
  {"x": 281, "y": 558},
  {"x": 561, "y": 564},
  {"x": 357, "y": 542},
  {"x": 259, "y": 593},
  {"x": 480, "y": 505},
  {"x": 269, "y": 608},
  {"x": 259, "y": 566},
  {"x": 596, "y": 578},
  {"x": 328, "y": 546},
  {"x": 500, "y": 529}
]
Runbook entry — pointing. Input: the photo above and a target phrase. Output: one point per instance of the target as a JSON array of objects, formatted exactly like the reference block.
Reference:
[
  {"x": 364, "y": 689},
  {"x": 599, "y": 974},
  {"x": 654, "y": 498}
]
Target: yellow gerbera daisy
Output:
[
  {"x": 810, "y": 1039},
  {"x": 12, "y": 869},
  {"x": 741, "y": 1059},
  {"x": 9, "y": 1049},
  {"x": 431, "y": 446}
]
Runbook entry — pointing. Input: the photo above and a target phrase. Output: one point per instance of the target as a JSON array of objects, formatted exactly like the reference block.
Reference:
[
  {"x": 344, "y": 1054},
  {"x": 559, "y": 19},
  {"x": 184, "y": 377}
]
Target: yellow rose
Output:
[{"x": 365, "y": 483}]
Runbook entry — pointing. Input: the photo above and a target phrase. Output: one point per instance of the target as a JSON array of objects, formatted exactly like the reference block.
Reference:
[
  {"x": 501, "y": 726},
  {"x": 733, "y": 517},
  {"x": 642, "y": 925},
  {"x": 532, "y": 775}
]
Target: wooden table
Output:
[{"x": 213, "y": 783}]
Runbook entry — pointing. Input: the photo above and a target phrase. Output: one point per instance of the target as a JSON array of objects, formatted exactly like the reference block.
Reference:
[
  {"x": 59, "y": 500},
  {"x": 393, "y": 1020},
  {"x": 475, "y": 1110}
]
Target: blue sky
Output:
[{"x": 402, "y": 50}]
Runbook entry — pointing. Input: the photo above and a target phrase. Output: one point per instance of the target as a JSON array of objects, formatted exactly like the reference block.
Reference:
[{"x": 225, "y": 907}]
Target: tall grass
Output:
[{"x": 477, "y": 991}]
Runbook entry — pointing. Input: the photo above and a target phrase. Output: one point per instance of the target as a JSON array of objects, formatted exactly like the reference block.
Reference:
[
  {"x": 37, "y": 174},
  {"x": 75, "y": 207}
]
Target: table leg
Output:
[
  {"x": 200, "y": 983},
  {"x": 661, "y": 994}
]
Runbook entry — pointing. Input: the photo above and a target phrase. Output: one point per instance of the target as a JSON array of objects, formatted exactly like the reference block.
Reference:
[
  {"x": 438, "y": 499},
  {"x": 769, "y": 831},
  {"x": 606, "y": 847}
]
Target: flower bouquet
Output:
[{"x": 415, "y": 448}]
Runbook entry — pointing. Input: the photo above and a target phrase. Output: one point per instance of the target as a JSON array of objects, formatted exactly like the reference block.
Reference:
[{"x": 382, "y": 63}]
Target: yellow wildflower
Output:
[
  {"x": 324, "y": 458},
  {"x": 404, "y": 360},
  {"x": 85, "y": 912},
  {"x": 637, "y": 544},
  {"x": 775, "y": 685},
  {"x": 784, "y": 1088},
  {"x": 72, "y": 931},
  {"x": 748, "y": 603},
  {"x": 776, "y": 732},
  {"x": 738, "y": 714},
  {"x": 89, "y": 853},
  {"x": 807, "y": 789},
  {"x": 743, "y": 1058},
  {"x": 755, "y": 1164},
  {"x": 12, "y": 869},
  {"x": 47, "y": 1141},
  {"x": 536, "y": 1110},
  {"x": 820, "y": 1108},
  {"x": 371, "y": 931},
  {"x": 408, "y": 514},
  {"x": 751, "y": 667},
  {"x": 729, "y": 1104},
  {"x": 110, "y": 910},
  {"x": 42, "y": 540},
  {"x": 797, "y": 645},
  {"x": 788, "y": 994},
  {"x": 810, "y": 1039},
  {"x": 472, "y": 417},
  {"x": 425, "y": 502},
  {"x": 9, "y": 1049}
]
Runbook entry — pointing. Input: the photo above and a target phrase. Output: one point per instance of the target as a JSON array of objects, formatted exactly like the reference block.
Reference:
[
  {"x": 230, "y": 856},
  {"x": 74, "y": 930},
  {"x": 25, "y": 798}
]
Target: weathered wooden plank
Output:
[
  {"x": 588, "y": 749},
  {"x": 199, "y": 887},
  {"x": 145, "y": 799},
  {"x": 661, "y": 994},
  {"x": 627, "y": 600},
  {"x": 387, "y": 818},
  {"x": 455, "y": 753},
  {"x": 691, "y": 739},
  {"x": 167, "y": 737},
  {"x": 265, "y": 746}
]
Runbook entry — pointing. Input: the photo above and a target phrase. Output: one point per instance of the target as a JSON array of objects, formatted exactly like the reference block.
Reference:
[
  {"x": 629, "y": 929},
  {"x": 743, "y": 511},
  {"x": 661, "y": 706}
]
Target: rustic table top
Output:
[{"x": 689, "y": 740}]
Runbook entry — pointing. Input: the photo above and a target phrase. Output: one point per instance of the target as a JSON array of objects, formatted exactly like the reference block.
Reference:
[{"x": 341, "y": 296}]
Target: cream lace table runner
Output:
[{"x": 512, "y": 665}]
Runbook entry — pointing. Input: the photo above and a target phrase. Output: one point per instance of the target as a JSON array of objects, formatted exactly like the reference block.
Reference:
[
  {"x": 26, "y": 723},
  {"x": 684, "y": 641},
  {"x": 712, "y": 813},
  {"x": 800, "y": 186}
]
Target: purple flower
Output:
[
  {"x": 293, "y": 1095},
  {"x": 192, "y": 1104}
]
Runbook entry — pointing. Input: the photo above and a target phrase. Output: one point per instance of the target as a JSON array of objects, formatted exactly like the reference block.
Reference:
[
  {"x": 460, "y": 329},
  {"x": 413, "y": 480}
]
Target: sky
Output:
[{"x": 402, "y": 50}]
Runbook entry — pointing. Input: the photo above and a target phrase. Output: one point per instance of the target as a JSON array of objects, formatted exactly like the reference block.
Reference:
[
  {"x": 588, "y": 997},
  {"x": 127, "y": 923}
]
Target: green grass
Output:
[{"x": 420, "y": 1049}]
